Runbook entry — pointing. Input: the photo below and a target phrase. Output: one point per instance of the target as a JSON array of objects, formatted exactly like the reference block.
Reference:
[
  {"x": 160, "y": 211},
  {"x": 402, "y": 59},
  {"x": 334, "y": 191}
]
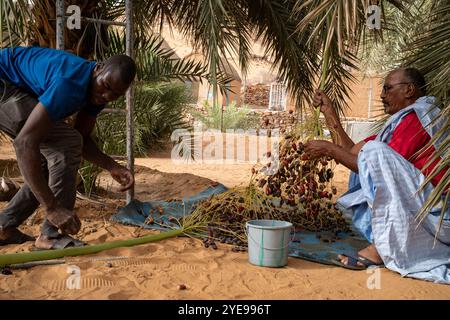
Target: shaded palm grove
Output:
[{"x": 312, "y": 43}]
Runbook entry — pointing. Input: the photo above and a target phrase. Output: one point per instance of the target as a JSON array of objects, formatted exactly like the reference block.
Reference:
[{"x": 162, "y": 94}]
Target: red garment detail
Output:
[
  {"x": 409, "y": 137},
  {"x": 370, "y": 138}
]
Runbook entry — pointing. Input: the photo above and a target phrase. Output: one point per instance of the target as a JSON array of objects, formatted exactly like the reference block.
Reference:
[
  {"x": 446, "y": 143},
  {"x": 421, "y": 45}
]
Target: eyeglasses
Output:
[{"x": 389, "y": 87}]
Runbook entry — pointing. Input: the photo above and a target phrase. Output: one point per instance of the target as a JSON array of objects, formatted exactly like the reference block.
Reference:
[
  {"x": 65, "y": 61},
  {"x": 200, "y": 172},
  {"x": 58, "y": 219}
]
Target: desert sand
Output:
[{"x": 155, "y": 271}]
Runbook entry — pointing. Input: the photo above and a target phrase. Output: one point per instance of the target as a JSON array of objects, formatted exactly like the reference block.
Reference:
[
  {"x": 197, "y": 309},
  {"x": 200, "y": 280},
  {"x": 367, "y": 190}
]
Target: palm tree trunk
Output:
[{"x": 83, "y": 42}]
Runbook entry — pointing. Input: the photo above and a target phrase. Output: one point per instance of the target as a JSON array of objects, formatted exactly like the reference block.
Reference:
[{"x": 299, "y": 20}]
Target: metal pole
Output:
[
  {"x": 130, "y": 94},
  {"x": 60, "y": 20},
  {"x": 60, "y": 24}
]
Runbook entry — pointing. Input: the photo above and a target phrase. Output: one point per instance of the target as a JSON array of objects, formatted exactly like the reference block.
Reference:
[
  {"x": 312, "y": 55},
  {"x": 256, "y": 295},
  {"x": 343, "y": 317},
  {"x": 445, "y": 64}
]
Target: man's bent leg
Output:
[
  {"x": 390, "y": 183},
  {"x": 22, "y": 205},
  {"x": 62, "y": 150},
  {"x": 15, "y": 107},
  {"x": 19, "y": 208}
]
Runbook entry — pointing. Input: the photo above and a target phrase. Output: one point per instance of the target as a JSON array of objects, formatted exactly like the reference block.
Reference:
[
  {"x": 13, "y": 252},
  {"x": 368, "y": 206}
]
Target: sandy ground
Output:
[{"x": 154, "y": 271}]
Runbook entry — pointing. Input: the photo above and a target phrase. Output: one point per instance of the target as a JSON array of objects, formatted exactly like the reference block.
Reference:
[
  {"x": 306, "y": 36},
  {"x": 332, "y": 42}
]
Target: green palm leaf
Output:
[
  {"x": 155, "y": 62},
  {"x": 297, "y": 63},
  {"x": 14, "y": 18},
  {"x": 335, "y": 27},
  {"x": 429, "y": 50}
]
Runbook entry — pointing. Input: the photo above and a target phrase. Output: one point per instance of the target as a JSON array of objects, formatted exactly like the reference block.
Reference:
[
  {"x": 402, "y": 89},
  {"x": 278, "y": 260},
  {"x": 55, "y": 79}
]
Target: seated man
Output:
[
  {"x": 387, "y": 171},
  {"x": 39, "y": 88}
]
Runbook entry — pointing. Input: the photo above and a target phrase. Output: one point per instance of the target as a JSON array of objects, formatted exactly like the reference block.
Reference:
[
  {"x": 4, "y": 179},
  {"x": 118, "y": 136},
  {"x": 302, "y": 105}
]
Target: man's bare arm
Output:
[
  {"x": 348, "y": 159},
  {"x": 85, "y": 124},
  {"x": 91, "y": 152},
  {"x": 321, "y": 148},
  {"x": 26, "y": 144}
]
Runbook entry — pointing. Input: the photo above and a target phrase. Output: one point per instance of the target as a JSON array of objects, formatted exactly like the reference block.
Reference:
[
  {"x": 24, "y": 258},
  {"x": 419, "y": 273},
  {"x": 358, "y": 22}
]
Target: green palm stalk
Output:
[
  {"x": 24, "y": 257},
  {"x": 326, "y": 56}
]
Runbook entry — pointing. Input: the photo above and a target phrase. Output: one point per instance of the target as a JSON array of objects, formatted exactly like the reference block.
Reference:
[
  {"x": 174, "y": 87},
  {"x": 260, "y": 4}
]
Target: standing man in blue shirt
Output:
[{"x": 39, "y": 88}]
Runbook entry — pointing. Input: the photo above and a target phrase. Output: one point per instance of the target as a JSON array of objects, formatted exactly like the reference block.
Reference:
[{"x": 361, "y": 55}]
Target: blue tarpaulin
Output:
[{"x": 305, "y": 244}]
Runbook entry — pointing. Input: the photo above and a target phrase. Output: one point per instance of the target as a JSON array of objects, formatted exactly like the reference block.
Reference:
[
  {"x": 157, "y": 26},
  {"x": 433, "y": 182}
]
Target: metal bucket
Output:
[{"x": 268, "y": 242}]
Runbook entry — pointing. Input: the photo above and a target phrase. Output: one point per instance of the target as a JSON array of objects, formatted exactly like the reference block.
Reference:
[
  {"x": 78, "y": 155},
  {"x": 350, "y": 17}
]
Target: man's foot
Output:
[
  {"x": 13, "y": 236},
  {"x": 366, "y": 257},
  {"x": 62, "y": 241}
]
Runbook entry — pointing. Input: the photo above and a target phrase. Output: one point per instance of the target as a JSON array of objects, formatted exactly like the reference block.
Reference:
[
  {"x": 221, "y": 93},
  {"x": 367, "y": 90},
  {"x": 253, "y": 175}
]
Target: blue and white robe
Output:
[{"x": 384, "y": 200}]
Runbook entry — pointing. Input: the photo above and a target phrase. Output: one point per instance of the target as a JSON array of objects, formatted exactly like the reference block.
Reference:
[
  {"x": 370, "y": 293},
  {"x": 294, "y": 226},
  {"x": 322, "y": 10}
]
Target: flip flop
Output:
[
  {"x": 16, "y": 237},
  {"x": 353, "y": 262},
  {"x": 61, "y": 242}
]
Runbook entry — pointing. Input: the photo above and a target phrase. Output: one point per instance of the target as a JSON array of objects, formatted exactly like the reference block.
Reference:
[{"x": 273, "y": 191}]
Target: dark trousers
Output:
[{"x": 60, "y": 159}]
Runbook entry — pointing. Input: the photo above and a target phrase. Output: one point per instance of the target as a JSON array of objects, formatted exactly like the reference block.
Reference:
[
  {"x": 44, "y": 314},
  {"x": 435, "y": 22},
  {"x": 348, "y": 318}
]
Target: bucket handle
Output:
[{"x": 282, "y": 248}]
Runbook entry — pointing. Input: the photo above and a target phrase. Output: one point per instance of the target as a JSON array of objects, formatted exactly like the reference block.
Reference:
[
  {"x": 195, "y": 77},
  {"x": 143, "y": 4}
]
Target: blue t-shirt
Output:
[{"x": 59, "y": 79}]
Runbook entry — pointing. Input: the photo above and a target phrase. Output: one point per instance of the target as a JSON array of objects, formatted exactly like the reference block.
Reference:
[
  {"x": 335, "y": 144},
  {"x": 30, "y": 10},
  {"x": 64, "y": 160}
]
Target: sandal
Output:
[
  {"x": 353, "y": 262},
  {"x": 61, "y": 242}
]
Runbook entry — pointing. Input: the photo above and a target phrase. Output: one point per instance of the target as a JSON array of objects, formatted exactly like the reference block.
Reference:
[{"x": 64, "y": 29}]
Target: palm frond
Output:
[
  {"x": 217, "y": 28},
  {"x": 296, "y": 62},
  {"x": 380, "y": 53},
  {"x": 159, "y": 110},
  {"x": 429, "y": 51},
  {"x": 155, "y": 62},
  {"x": 14, "y": 18},
  {"x": 335, "y": 27}
]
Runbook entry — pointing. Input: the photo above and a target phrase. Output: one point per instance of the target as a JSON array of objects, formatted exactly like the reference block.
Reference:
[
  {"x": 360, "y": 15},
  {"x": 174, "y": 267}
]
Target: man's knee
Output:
[
  {"x": 383, "y": 157},
  {"x": 73, "y": 152},
  {"x": 379, "y": 150}
]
